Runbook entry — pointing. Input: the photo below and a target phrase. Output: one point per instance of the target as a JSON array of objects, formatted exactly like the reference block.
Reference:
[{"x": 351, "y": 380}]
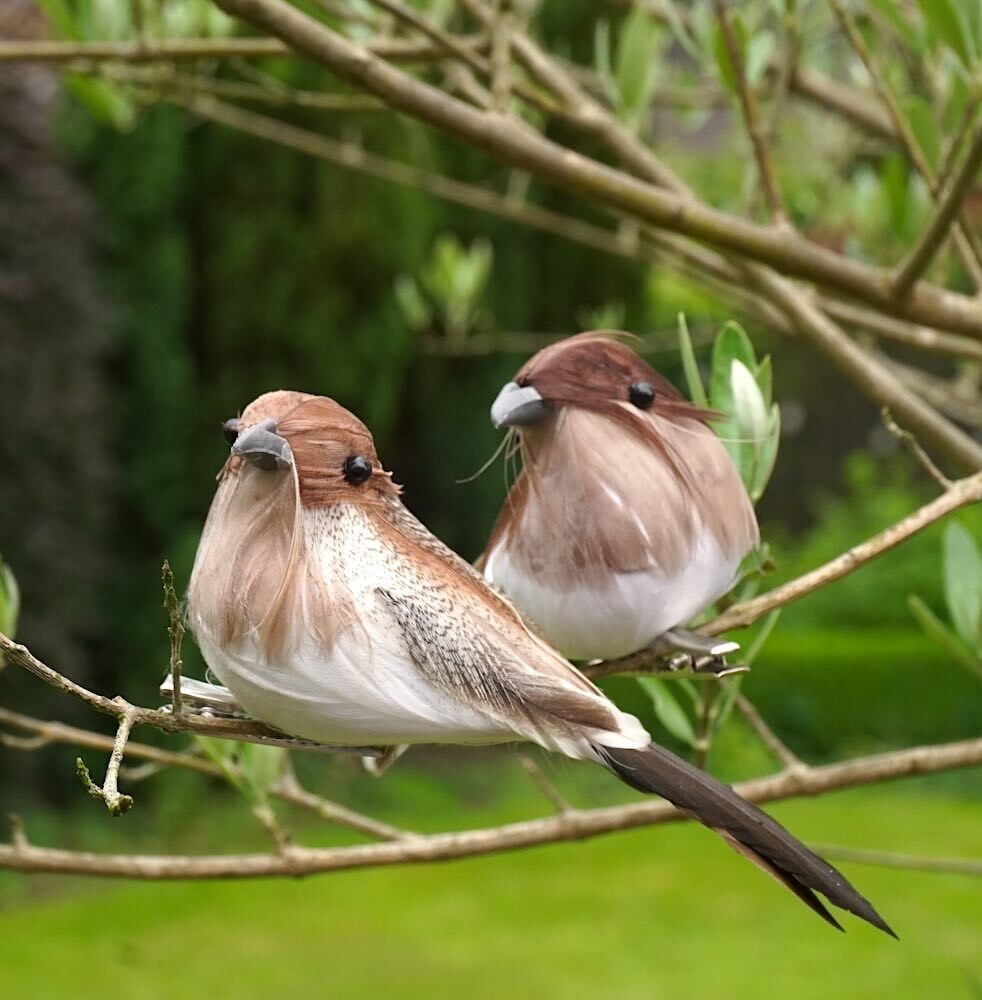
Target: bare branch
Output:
[
  {"x": 544, "y": 785},
  {"x": 945, "y": 214},
  {"x": 914, "y": 445},
  {"x": 751, "y": 119},
  {"x": 563, "y": 827},
  {"x": 784, "y": 754},
  {"x": 906, "y": 136},
  {"x": 922, "y": 337},
  {"x": 109, "y": 792},
  {"x": 961, "y": 493},
  {"x": 174, "y": 49},
  {"x": 290, "y": 790}
]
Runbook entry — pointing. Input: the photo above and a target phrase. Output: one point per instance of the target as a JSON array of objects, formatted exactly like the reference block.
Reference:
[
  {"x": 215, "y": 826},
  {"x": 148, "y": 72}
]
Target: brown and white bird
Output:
[
  {"x": 628, "y": 517},
  {"x": 333, "y": 614}
]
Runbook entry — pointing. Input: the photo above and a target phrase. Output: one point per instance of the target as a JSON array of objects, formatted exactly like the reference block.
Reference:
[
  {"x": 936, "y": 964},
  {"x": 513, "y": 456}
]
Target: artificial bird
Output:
[
  {"x": 332, "y": 614},
  {"x": 628, "y": 517}
]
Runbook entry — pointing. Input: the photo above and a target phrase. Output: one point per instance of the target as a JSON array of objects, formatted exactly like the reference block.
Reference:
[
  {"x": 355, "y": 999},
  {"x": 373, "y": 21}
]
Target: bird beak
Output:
[
  {"x": 262, "y": 447},
  {"x": 518, "y": 406}
]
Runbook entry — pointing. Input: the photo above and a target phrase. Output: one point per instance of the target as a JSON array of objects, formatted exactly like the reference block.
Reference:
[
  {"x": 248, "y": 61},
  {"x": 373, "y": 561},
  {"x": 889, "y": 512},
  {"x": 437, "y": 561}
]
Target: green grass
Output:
[{"x": 667, "y": 912}]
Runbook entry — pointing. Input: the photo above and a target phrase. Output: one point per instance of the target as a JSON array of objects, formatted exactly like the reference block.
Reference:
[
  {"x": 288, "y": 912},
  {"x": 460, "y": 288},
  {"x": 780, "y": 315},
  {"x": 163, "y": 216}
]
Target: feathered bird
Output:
[
  {"x": 333, "y": 614},
  {"x": 628, "y": 517}
]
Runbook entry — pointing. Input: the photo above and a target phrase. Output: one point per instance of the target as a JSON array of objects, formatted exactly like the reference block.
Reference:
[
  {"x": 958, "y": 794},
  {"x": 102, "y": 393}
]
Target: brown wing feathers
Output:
[{"x": 751, "y": 831}]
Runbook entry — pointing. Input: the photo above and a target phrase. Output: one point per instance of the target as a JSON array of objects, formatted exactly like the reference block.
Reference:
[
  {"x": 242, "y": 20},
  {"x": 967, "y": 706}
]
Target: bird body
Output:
[
  {"x": 331, "y": 613},
  {"x": 626, "y": 520}
]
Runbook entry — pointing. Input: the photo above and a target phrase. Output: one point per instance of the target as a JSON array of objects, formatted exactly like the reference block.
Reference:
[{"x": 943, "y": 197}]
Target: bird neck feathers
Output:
[{"x": 255, "y": 576}]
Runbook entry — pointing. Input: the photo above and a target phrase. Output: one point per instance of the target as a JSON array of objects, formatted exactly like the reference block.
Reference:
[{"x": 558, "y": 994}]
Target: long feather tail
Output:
[{"x": 745, "y": 827}]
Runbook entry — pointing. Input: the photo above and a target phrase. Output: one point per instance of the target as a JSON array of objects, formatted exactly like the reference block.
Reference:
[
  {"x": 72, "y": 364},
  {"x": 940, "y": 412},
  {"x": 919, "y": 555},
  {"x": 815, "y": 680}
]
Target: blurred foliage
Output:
[
  {"x": 962, "y": 640},
  {"x": 9, "y": 602}
]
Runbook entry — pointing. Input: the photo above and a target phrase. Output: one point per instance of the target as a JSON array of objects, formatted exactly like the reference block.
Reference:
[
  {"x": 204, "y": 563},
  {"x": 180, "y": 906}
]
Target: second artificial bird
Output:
[
  {"x": 628, "y": 517},
  {"x": 332, "y": 614}
]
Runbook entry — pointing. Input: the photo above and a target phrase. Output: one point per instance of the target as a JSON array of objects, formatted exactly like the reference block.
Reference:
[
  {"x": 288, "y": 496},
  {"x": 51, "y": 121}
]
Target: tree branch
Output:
[
  {"x": 513, "y": 143},
  {"x": 109, "y": 792},
  {"x": 564, "y": 827},
  {"x": 748, "y": 105},
  {"x": 945, "y": 214},
  {"x": 906, "y": 135},
  {"x": 961, "y": 494}
]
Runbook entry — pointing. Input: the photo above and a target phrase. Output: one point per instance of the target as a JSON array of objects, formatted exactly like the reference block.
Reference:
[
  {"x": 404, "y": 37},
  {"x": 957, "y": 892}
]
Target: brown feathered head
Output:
[
  {"x": 595, "y": 371},
  {"x": 328, "y": 449}
]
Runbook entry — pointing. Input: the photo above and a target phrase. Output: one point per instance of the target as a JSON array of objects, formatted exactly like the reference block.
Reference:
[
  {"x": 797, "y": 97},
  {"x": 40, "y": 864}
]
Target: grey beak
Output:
[
  {"x": 518, "y": 406},
  {"x": 262, "y": 447}
]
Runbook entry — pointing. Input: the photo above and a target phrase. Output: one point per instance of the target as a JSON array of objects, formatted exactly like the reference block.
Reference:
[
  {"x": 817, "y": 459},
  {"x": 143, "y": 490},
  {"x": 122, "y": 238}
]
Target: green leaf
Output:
[
  {"x": 763, "y": 634},
  {"x": 963, "y": 581},
  {"x": 670, "y": 713},
  {"x": 727, "y": 71},
  {"x": 697, "y": 391},
  {"x": 637, "y": 66},
  {"x": 924, "y": 124},
  {"x": 679, "y": 32},
  {"x": 601, "y": 58},
  {"x": 9, "y": 601},
  {"x": 723, "y": 705},
  {"x": 950, "y": 22},
  {"x": 262, "y": 767},
  {"x": 937, "y": 630},
  {"x": 759, "y": 53},
  {"x": 892, "y": 13},
  {"x": 766, "y": 454}
]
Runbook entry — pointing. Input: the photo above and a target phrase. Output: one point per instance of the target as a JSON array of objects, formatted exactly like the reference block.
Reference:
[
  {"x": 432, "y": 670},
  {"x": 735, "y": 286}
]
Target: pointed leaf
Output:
[
  {"x": 697, "y": 392},
  {"x": 950, "y": 23},
  {"x": 937, "y": 630},
  {"x": 962, "y": 581},
  {"x": 670, "y": 713}
]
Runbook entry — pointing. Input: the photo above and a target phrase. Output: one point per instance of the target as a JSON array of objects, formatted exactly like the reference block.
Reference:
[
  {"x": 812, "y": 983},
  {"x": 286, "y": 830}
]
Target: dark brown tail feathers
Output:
[{"x": 745, "y": 827}]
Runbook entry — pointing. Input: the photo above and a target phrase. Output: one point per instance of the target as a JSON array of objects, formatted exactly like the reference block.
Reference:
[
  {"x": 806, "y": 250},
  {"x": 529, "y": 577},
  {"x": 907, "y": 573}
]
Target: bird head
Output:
[
  {"x": 594, "y": 371},
  {"x": 328, "y": 451}
]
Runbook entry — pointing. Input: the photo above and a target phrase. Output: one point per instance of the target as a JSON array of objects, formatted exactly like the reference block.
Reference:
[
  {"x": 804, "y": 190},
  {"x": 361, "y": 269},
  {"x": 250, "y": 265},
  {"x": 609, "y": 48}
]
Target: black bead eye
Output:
[
  {"x": 230, "y": 429},
  {"x": 641, "y": 394},
  {"x": 357, "y": 469}
]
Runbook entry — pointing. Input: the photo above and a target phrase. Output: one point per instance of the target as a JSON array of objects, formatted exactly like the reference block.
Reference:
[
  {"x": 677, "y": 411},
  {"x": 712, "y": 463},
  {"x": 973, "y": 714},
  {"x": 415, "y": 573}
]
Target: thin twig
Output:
[
  {"x": 166, "y": 77},
  {"x": 915, "y": 446},
  {"x": 909, "y": 862},
  {"x": 548, "y": 789},
  {"x": 751, "y": 119},
  {"x": 108, "y": 791},
  {"x": 784, "y": 754},
  {"x": 961, "y": 493},
  {"x": 566, "y": 827},
  {"x": 945, "y": 214},
  {"x": 176, "y": 632},
  {"x": 290, "y": 790}
]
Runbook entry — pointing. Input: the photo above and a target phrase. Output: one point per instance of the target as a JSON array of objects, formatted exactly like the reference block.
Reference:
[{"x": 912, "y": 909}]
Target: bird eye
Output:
[
  {"x": 230, "y": 429},
  {"x": 641, "y": 394},
  {"x": 357, "y": 469}
]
